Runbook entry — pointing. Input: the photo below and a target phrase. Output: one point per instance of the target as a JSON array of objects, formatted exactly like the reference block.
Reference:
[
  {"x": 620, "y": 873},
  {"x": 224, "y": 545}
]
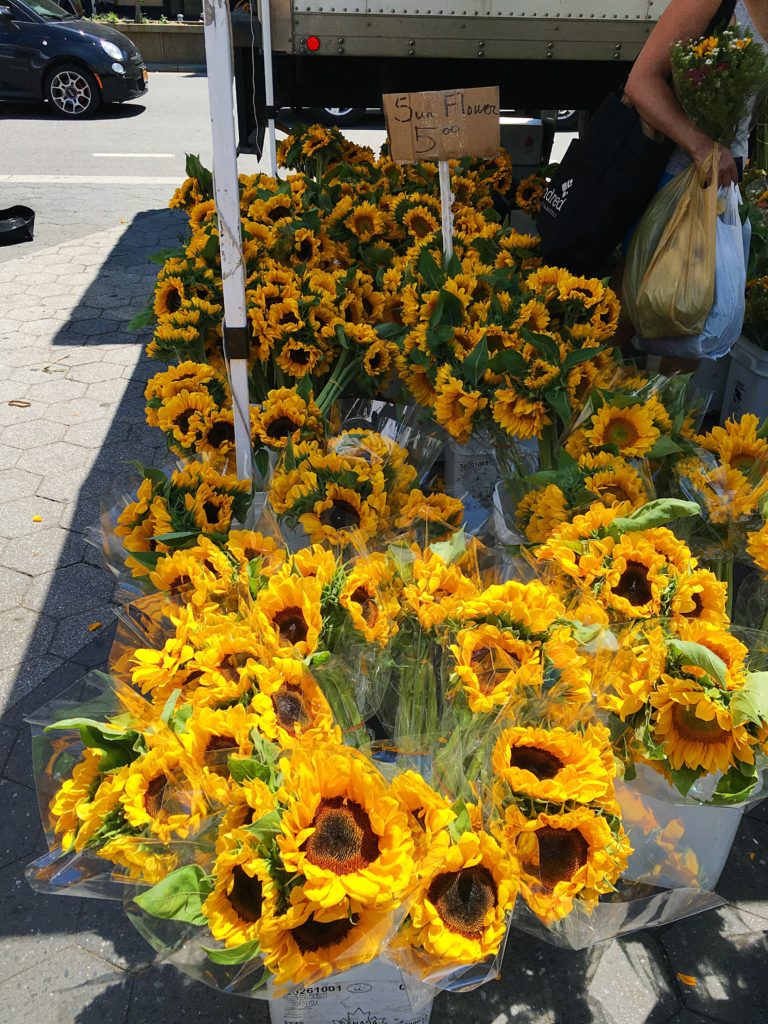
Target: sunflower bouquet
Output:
[
  {"x": 714, "y": 78},
  {"x": 727, "y": 475},
  {"x": 172, "y": 510}
]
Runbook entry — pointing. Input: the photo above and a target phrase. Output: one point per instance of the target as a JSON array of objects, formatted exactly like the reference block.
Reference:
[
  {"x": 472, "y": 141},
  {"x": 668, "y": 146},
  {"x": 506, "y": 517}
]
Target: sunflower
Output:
[
  {"x": 529, "y": 193},
  {"x": 529, "y": 607},
  {"x": 576, "y": 547},
  {"x": 421, "y": 222},
  {"x": 456, "y": 407},
  {"x": 739, "y": 445},
  {"x": 242, "y": 889},
  {"x": 366, "y": 221},
  {"x": 342, "y": 515},
  {"x": 315, "y": 561},
  {"x": 210, "y": 510},
  {"x": 298, "y": 358},
  {"x": 494, "y": 667},
  {"x": 636, "y": 581},
  {"x": 285, "y": 416},
  {"x": 567, "y": 677},
  {"x": 563, "y": 857},
  {"x": 539, "y": 512},
  {"x": 287, "y": 614},
  {"x": 248, "y": 545},
  {"x": 169, "y": 295},
  {"x": 370, "y": 600},
  {"x": 290, "y": 706},
  {"x": 460, "y": 914},
  {"x": 519, "y": 416},
  {"x": 217, "y": 673},
  {"x": 342, "y": 830},
  {"x": 441, "y": 510},
  {"x": 162, "y": 793},
  {"x": 630, "y": 429},
  {"x": 436, "y": 591},
  {"x": 309, "y": 942},
  {"x": 694, "y": 730},
  {"x": 74, "y": 792},
  {"x": 430, "y": 813},
  {"x": 555, "y": 765},
  {"x": 533, "y": 315},
  {"x": 546, "y": 281},
  {"x": 144, "y": 861},
  {"x": 611, "y": 479}
]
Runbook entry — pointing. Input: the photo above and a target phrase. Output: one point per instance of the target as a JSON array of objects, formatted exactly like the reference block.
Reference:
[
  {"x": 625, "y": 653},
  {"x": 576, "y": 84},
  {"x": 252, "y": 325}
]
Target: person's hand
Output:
[{"x": 727, "y": 171}]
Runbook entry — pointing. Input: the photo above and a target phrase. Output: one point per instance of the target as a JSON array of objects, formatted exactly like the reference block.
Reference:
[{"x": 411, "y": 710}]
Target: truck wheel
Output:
[
  {"x": 342, "y": 117},
  {"x": 72, "y": 91}
]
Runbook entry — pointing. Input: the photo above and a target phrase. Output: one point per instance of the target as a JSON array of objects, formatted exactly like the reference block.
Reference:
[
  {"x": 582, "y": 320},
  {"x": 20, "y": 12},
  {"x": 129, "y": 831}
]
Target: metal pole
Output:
[
  {"x": 218, "y": 55},
  {"x": 269, "y": 84},
  {"x": 446, "y": 204}
]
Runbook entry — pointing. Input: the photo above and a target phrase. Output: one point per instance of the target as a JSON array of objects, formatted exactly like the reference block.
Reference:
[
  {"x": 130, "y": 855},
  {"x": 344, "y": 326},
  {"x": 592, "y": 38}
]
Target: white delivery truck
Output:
[{"x": 543, "y": 54}]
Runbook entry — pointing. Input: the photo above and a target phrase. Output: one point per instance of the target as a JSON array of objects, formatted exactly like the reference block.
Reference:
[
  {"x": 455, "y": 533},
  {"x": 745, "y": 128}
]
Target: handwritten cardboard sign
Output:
[{"x": 442, "y": 125}]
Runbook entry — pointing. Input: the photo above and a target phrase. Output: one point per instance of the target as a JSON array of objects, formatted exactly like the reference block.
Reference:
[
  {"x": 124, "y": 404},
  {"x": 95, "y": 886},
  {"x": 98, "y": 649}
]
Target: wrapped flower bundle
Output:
[{"x": 714, "y": 78}]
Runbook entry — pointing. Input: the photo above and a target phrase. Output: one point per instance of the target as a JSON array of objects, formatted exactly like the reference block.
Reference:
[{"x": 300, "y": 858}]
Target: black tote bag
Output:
[{"x": 602, "y": 187}]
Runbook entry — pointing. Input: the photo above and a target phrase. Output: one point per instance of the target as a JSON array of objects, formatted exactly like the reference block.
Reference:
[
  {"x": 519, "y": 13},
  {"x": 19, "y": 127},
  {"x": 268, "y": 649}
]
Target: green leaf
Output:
[
  {"x": 170, "y": 704},
  {"x": 261, "y": 461},
  {"x": 462, "y": 822},
  {"x": 476, "y": 363},
  {"x": 244, "y": 769},
  {"x": 451, "y": 550},
  {"x": 179, "y": 896},
  {"x": 448, "y": 311},
  {"x": 750, "y": 703},
  {"x": 236, "y": 955},
  {"x": 509, "y": 361},
  {"x": 390, "y": 332},
  {"x": 266, "y": 828},
  {"x": 429, "y": 270},
  {"x": 100, "y": 731},
  {"x": 559, "y": 401},
  {"x": 177, "y": 535},
  {"x": 546, "y": 346},
  {"x": 736, "y": 785},
  {"x": 580, "y": 355},
  {"x": 653, "y": 514},
  {"x": 145, "y": 319},
  {"x": 684, "y": 778},
  {"x": 664, "y": 446},
  {"x": 695, "y": 654}
]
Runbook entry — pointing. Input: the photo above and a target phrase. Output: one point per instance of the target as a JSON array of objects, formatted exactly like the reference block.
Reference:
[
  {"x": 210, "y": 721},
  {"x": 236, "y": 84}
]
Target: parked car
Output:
[
  {"x": 47, "y": 53},
  {"x": 349, "y": 117}
]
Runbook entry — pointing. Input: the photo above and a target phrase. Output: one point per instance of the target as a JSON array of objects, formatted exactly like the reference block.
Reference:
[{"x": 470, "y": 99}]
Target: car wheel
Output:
[
  {"x": 342, "y": 117},
  {"x": 72, "y": 91}
]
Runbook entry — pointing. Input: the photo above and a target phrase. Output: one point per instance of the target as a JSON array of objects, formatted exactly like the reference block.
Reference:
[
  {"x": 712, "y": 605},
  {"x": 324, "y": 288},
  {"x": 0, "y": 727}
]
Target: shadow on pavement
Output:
[{"x": 16, "y": 110}]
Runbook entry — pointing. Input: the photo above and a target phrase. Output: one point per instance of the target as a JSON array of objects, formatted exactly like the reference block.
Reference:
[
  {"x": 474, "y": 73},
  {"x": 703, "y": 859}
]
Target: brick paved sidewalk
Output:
[{"x": 65, "y": 351}]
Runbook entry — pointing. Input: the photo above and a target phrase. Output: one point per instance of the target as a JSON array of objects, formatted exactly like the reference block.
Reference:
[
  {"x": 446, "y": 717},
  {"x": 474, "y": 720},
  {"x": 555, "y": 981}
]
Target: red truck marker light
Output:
[{"x": 313, "y": 44}]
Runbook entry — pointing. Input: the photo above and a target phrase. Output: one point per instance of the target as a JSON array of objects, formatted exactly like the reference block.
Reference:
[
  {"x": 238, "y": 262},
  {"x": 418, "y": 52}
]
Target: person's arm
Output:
[{"x": 650, "y": 93}]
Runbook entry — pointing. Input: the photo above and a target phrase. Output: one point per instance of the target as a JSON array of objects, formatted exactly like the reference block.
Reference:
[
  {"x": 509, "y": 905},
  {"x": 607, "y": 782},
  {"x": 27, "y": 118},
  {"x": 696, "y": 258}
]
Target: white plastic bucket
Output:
[
  {"x": 746, "y": 389},
  {"x": 471, "y": 473},
  {"x": 371, "y": 992},
  {"x": 711, "y": 377},
  {"x": 676, "y": 843}
]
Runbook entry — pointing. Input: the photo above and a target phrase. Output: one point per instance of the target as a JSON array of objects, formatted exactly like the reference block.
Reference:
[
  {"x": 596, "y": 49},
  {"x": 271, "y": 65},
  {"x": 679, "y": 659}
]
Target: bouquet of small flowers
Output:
[{"x": 715, "y": 77}]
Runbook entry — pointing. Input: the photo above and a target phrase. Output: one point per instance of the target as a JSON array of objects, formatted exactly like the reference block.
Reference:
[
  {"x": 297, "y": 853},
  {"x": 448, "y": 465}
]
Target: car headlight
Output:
[{"x": 111, "y": 50}]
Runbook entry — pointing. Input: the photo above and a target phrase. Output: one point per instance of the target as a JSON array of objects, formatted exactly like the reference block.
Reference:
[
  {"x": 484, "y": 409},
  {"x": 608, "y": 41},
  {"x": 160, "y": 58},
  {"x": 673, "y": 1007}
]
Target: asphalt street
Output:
[{"x": 83, "y": 177}]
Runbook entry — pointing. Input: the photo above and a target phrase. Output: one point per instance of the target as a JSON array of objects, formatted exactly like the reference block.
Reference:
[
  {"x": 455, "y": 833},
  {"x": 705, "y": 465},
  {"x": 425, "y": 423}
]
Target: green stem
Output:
[
  {"x": 341, "y": 374},
  {"x": 339, "y": 691},
  {"x": 547, "y": 446}
]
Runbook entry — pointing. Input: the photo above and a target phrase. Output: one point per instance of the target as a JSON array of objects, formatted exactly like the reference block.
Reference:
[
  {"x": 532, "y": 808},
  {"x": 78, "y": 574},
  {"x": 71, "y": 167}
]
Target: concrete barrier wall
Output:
[{"x": 172, "y": 46}]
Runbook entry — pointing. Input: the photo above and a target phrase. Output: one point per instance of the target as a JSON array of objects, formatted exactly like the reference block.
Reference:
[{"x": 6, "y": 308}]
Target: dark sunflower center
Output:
[
  {"x": 463, "y": 898},
  {"x": 694, "y": 729},
  {"x": 420, "y": 814},
  {"x": 633, "y": 584},
  {"x": 314, "y": 935},
  {"x": 214, "y": 745},
  {"x": 245, "y": 895},
  {"x": 291, "y": 625},
  {"x": 343, "y": 840},
  {"x": 300, "y": 356},
  {"x": 153, "y": 797},
  {"x": 288, "y": 703},
  {"x": 221, "y": 433},
  {"x": 540, "y": 763},
  {"x": 278, "y": 212},
  {"x": 340, "y": 516},
  {"x": 621, "y": 432},
  {"x": 182, "y": 420},
  {"x": 365, "y": 223},
  {"x": 368, "y": 607},
  {"x": 281, "y": 427},
  {"x": 173, "y": 301},
  {"x": 562, "y": 852},
  {"x": 211, "y": 511},
  {"x": 698, "y": 608},
  {"x": 304, "y": 249},
  {"x": 420, "y": 226},
  {"x": 745, "y": 463}
]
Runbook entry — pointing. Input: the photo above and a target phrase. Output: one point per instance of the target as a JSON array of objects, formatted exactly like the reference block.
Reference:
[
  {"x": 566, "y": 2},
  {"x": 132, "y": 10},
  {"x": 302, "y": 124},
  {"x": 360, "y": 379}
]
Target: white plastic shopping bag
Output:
[{"x": 724, "y": 323}]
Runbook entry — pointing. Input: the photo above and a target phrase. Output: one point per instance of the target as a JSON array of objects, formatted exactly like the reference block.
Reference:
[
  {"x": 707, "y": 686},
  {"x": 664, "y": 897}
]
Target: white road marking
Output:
[
  {"x": 139, "y": 156},
  {"x": 85, "y": 179}
]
